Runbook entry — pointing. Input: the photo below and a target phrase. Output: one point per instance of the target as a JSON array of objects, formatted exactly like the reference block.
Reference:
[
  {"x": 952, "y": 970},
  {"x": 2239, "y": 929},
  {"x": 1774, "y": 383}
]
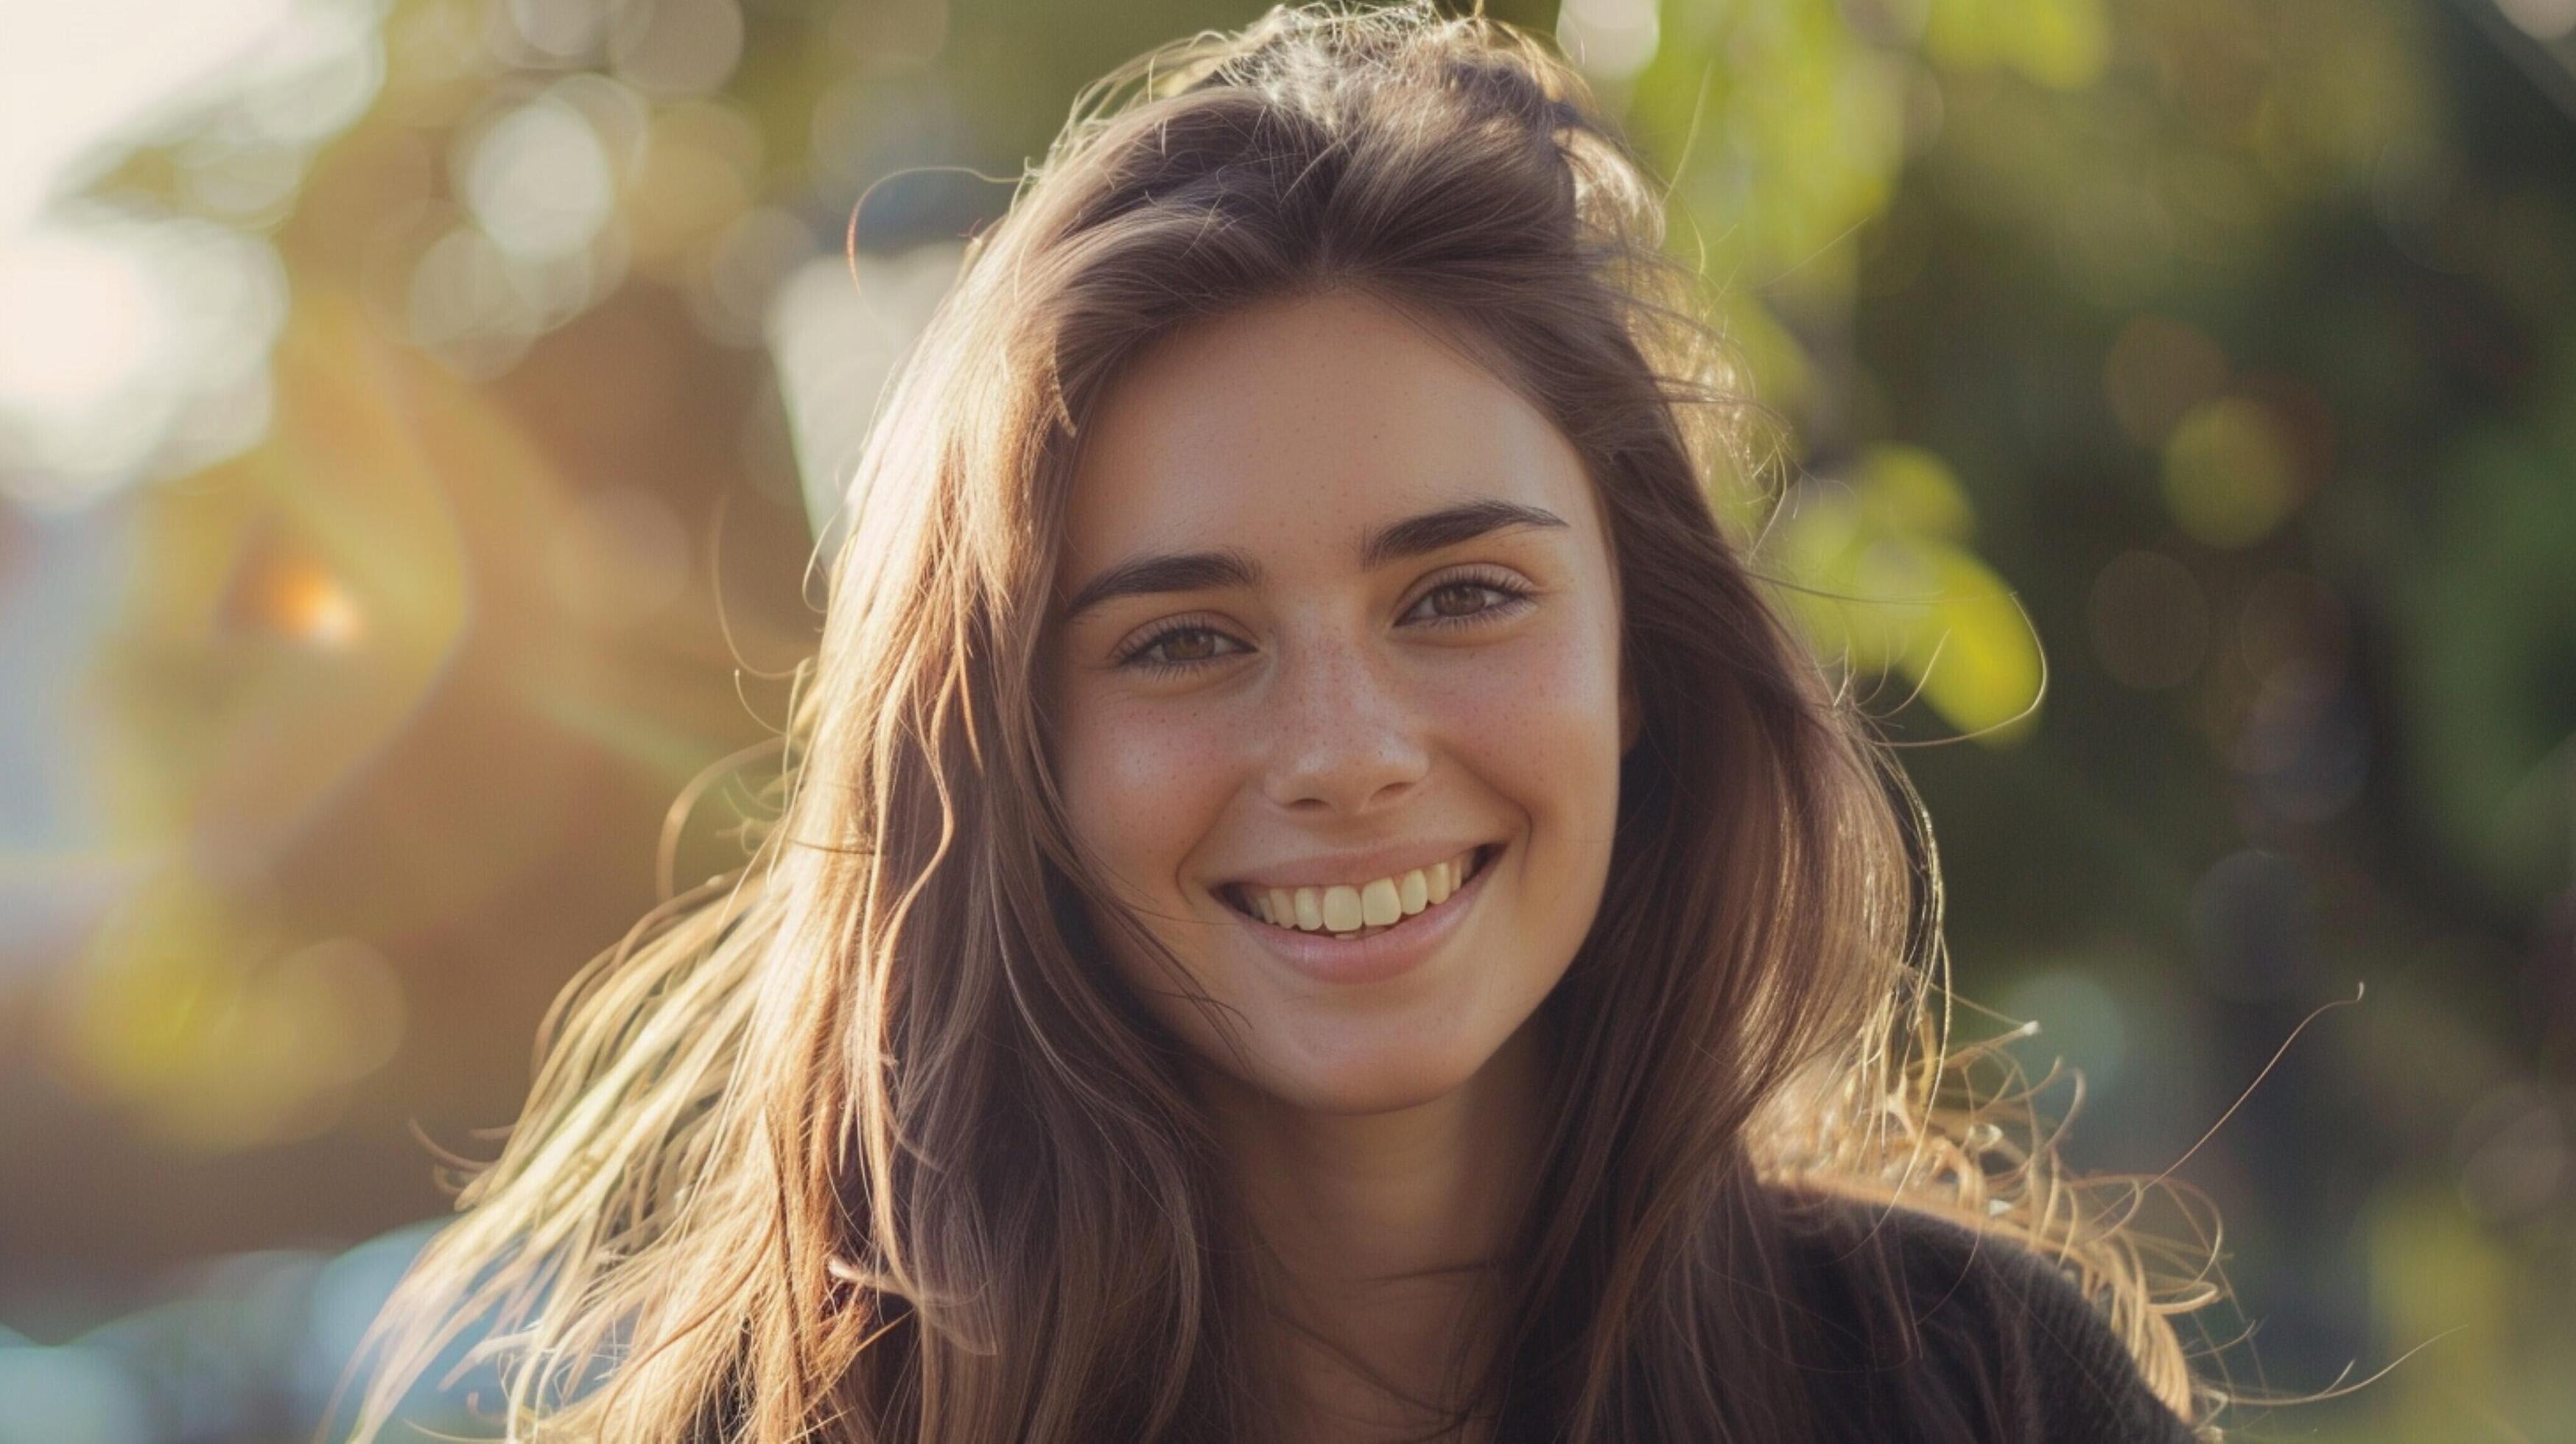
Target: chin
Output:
[{"x": 1379, "y": 1078}]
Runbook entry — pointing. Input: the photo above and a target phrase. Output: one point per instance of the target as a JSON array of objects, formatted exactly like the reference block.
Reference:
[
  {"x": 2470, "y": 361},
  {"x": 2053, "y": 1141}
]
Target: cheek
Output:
[
  {"x": 1143, "y": 786},
  {"x": 1543, "y": 727},
  {"x": 1543, "y": 735}
]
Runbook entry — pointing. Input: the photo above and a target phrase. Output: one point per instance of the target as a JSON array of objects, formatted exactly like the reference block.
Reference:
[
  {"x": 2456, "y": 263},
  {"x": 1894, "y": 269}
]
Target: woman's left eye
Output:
[{"x": 1480, "y": 599}]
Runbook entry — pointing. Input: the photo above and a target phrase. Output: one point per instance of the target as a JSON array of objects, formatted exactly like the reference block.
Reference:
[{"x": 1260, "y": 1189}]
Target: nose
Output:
[{"x": 1344, "y": 736}]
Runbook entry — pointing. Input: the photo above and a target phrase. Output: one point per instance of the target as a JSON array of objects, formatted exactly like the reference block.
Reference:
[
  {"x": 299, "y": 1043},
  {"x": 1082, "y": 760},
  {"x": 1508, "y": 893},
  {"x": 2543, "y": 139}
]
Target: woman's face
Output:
[{"x": 1336, "y": 605}]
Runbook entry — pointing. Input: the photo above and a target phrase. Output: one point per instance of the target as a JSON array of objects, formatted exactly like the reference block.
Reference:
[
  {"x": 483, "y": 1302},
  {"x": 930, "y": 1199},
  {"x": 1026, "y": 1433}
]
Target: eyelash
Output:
[{"x": 1513, "y": 596}]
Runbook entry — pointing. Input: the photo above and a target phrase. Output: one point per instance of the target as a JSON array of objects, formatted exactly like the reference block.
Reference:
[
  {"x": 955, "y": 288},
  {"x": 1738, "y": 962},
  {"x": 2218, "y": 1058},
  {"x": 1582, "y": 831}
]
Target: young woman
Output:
[{"x": 1316, "y": 899}]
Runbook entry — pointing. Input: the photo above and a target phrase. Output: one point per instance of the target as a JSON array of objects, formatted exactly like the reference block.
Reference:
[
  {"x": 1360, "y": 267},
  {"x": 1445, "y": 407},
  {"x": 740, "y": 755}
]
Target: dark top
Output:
[{"x": 2001, "y": 1346}]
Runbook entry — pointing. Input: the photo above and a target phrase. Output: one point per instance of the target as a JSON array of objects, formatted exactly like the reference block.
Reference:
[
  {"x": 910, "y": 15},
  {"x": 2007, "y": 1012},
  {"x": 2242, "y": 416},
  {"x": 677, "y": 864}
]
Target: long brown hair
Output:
[{"x": 864, "y": 1142}]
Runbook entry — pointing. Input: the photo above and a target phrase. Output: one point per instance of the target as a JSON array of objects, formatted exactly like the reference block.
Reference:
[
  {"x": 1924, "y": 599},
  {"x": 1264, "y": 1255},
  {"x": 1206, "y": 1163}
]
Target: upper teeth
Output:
[{"x": 1348, "y": 907}]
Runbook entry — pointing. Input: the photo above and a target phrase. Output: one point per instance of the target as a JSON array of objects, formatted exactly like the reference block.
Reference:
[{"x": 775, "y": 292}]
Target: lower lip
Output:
[{"x": 1400, "y": 949}]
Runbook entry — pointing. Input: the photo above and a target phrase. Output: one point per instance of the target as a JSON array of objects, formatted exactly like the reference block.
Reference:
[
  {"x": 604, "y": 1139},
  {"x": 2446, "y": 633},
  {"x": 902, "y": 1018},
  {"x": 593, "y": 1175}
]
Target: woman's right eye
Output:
[{"x": 1178, "y": 649}]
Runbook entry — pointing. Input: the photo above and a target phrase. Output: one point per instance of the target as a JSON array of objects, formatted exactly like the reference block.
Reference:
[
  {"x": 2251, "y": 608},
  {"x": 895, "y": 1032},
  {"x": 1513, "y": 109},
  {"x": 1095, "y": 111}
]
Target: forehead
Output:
[{"x": 1289, "y": 427}]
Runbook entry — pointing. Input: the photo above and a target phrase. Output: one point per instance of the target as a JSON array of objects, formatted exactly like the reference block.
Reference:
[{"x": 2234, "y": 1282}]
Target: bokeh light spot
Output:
[
  {"x": 890, "y": 36},
  {"x": 2541, "y": 19},
  {"x": 695, "y": 179},
  {"x": 2289, "y": 617},
  {"x": 75, "y": 319},
  {"x": 344, "y": 1003},
  {"x": 2229, "y": 475},
  {"x": 1610, "y": 40},
  {"x": 2079, "y": 1020},
  {"x": 2305, "y": 743},
  {"x": 133, "y": 345},
  {"x": 2158, "y": 369},
  {"x": 186, "y": 1011},
  {"x": 676, "y": 48},
  {"x": 2514, "y": 1155},
  {"x": 467, "y": 306},
  {"x": 2150, "y": 620},
  {"x": 2062, "y": 44},
  {"x": 747, "y": 265},
  {"x": 537, "y": 180},
  {"x": 311, "y": 605},
  {"x": 1914, "y": 490},
  {"x": 2251, "y": 926},
  {"x": 569, "y": 31}
]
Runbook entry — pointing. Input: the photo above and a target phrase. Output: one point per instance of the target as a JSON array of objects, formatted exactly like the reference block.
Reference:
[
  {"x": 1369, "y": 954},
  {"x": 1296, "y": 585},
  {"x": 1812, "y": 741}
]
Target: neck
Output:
[{"x": 1382, "y": 1231}]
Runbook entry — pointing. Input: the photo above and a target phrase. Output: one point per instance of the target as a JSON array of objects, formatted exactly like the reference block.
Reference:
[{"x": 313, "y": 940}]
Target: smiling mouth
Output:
[{"x": 1295, "y": 905}]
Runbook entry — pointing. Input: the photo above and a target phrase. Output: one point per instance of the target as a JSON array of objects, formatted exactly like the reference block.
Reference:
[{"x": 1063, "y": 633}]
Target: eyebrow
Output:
[
  {"x": 1421, "y": 535},
  {"x": 1233, "y": 567},
  {"x": 1168, "y": 572}
]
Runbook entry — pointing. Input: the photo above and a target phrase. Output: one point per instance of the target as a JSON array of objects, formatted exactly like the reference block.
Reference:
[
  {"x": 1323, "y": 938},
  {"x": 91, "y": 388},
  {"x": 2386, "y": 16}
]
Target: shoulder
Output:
[{"x": 1936, "y": 1330}]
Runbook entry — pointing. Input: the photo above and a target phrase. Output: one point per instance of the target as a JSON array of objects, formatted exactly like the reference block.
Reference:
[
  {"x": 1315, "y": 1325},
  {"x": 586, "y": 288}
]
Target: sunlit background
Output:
[{"x": 416, "y": 419}]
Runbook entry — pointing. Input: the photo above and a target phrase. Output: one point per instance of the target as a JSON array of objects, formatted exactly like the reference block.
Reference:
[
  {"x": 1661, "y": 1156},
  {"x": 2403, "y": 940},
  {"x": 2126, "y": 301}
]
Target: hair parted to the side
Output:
[{"x": 864, "y": 1142}]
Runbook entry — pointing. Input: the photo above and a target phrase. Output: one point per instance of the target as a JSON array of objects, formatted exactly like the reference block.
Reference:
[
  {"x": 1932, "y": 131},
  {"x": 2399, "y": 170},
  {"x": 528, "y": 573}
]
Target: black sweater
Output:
[
  {"x": 1929, "y": 1331},
  {"x": 1924, "y": 1331}
]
